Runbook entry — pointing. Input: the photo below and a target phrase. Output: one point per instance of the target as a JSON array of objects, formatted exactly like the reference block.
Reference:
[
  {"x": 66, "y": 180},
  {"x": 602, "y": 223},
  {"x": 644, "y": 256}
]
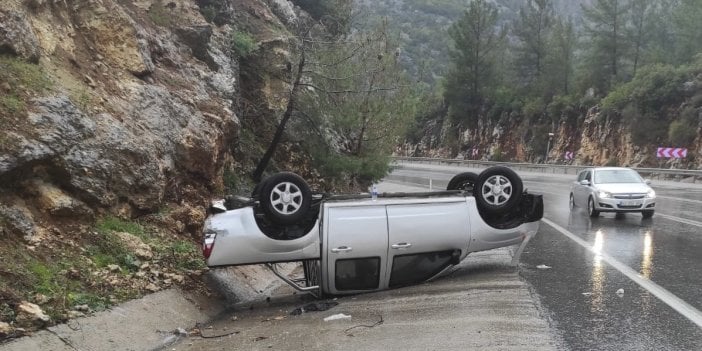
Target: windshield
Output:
[{"x": 617, "y": 176}]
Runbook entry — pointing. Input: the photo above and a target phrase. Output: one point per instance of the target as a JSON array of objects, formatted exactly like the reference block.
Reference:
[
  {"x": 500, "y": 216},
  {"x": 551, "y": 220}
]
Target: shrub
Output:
[
  {"x": 691, "y": 115},
  {"x": 696, "y": 101},
  {"x": 648, "y": 130},
  {"x": 496, "y": 155},
  {"x": 652, "y": 88},
  {"x": 681, "y": 133},
  {"x": 533, "y": 109},
  {"x": 209, "y": 12},
  {"x": 243, "y": 43}
]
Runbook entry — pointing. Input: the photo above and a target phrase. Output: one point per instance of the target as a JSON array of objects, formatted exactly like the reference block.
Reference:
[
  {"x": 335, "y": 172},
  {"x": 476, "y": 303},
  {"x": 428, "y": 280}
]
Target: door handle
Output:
[
  {"x": 400, "y": 246},
  {"x": 341, "y": 249}
]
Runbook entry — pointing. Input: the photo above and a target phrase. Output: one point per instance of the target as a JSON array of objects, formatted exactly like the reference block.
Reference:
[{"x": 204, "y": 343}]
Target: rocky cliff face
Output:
[
  {"x": 595, "y": 138},
  {"x": 126, "y": 108},
  {"x": 142, "y": 104}
]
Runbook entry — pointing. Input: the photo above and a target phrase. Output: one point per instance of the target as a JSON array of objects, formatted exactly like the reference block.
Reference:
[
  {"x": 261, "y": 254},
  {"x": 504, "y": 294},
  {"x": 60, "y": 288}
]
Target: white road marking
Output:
[
  {"x": 680, "y": 199},
  {"x": 681, "y": 220},
  {"x": 676, "y": 303}
]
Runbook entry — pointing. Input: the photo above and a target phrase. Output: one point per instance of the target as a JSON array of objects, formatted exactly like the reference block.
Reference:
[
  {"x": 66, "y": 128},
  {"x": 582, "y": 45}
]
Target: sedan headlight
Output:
[
  {"x": 651, "y": 194},
  {"x": 605, "y": 194}
]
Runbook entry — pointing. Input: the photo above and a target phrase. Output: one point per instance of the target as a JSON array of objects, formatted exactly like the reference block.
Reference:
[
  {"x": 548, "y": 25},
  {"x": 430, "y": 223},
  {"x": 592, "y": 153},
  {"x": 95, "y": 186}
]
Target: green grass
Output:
[
  {"x": 94, "y": 301},
  {"x": 182, "y": 254},
  {"x": 23, "y": 78},
  {"x": 11, "y": 104},
  {"x": 109, "y": 249},
  {"x": 45, "y": 279},
  {"x": 160, "y": 15},
  {"x": 243, "y": 43},
  {"x": 82, "y": 99},
  {"x": 17, "y": 72},
  {"x": 119, "y": 225}
]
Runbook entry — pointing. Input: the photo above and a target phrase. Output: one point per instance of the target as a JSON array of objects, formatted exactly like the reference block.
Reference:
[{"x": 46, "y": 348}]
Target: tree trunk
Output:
[{"x": 263, "y": 163}]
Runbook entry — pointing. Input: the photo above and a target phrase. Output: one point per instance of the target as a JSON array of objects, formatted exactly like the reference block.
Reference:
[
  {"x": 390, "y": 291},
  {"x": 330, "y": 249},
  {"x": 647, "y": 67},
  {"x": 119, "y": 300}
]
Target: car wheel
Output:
[
  {"x": 463, "y": 181},
  {"x": 498, "y": 189},
  {"x": 647, "y": 214},
  {"x": 285, "y": 198},
  {"x": 571, "y": 203},
  {"x": 591, "y": 208}
]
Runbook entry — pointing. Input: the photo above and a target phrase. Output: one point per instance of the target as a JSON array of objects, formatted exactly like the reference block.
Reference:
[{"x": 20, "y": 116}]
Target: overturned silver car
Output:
[{"x": 360, "y": 243}]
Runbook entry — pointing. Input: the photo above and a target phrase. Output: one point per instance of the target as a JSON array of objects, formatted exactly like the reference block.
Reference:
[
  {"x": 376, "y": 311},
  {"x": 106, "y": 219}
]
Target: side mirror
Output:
[
  {"x": 647, "y": 181},
  {"x": 585, "y": 182}
]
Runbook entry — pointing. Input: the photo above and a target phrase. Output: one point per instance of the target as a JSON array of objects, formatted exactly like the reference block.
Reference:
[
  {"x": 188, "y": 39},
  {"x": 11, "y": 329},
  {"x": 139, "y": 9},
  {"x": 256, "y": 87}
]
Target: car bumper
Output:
[{"x": 621, "y": 205}]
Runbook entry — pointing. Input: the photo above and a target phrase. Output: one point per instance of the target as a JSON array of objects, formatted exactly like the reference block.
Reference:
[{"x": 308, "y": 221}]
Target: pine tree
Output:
[
  {"x": 476, "y": 40},
  {"x": 605, "y": 25},
  {"x": 687, "y": 19},
  {"x": 561, "y": 56},
  {"x": 532, "y": 30}
]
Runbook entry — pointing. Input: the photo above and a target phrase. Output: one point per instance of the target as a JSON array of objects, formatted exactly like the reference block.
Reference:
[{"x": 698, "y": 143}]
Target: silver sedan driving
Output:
[{"x": 612, "y": 189}]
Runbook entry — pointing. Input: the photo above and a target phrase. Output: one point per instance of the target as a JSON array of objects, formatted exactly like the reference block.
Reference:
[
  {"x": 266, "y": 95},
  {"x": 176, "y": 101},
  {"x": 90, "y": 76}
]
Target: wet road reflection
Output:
[
  {"x": 663, "y": 251},
  {"x": 580, "y": 291}
]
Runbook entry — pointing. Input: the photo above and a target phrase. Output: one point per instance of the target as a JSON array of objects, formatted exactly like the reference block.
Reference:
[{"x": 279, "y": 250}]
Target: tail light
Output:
[{"x": 208, "y": 241}]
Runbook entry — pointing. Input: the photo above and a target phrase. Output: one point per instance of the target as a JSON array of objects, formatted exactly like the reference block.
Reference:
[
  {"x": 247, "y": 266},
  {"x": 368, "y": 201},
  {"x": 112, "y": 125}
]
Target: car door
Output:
[
  {"x": 424, "y": 239},
  {"x": 577, "y": 188},
  {"x": 355, "y": 245},
  {"x": 582, "y": 191}
]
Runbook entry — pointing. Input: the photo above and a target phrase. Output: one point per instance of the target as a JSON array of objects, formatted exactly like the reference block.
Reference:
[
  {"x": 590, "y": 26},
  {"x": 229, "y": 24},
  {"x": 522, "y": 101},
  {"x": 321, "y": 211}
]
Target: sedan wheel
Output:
[
  {"x": 571, "y": 204},
  {"x": 591, "y": 208}
]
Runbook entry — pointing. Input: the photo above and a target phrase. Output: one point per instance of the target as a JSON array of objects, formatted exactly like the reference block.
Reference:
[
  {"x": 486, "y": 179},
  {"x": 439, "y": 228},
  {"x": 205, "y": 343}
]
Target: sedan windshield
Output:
[{"x": 617, "y": 176}]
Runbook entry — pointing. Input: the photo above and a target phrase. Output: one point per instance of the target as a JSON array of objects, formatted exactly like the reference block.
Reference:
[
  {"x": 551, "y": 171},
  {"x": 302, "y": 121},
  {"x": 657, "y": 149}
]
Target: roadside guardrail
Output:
[{"x": 678, "y": 175}]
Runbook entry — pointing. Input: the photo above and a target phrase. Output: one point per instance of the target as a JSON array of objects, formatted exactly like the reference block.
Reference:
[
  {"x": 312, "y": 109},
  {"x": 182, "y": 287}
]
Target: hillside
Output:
[
  {"x": 613, "y": 80},
  {"x": 121, "y": 121}
]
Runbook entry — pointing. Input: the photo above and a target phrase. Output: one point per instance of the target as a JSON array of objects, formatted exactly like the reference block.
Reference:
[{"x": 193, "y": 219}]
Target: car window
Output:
[
  {"x": 588, "y": 176},
  {"x": 581, "y": 176},
  {"x": 357, "y": 274},
  {"x": 612, "y": 176},
  {"x": 415, "y": 268}
]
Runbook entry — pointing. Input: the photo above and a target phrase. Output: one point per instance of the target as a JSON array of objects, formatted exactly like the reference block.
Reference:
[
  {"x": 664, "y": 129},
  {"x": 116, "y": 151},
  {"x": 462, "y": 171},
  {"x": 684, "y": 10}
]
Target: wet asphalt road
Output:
[{"x": 579, "y": 291}]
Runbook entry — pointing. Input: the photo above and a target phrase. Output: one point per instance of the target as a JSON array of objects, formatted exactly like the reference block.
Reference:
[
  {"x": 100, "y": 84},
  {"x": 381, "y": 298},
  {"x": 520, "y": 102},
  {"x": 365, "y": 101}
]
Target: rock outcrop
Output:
[{"x": 140, "y": 110}]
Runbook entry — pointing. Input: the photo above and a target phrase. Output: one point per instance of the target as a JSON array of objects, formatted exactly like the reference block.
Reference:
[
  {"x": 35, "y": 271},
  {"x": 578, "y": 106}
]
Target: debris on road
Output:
[
  {"x": 620, "y": 292},
  {"x": 587, "y": 293},
  {"x": 543, "y": 266},
  {"x": 314, "y": 306},
  {"x": 335, "y": 317},
  {"x": 379, "y": 322}
]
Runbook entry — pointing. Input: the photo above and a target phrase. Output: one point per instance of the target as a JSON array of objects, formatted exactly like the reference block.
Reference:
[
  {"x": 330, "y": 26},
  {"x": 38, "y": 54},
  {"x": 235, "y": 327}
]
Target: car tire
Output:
[
  {"x": 571, "y": 202},
  {"x": 463, "y": 181},
  {"x": 498, "y": 190},
  {"x": 285, "y": 198},
  {"x": 647, "y": 214},
  {"x": 591, "y": 208}
]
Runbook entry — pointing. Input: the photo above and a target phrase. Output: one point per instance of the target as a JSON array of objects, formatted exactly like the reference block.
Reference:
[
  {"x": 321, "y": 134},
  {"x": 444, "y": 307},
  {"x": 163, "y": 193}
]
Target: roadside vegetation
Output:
[
  {"x": 114, "y": 261},
  {"x": 547, "y": 62},
  {"x": 19, "y": 82}
]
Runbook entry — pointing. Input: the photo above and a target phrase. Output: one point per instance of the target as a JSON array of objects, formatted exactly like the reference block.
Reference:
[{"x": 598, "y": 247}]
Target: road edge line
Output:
[{"x": 661, "y": 293}]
